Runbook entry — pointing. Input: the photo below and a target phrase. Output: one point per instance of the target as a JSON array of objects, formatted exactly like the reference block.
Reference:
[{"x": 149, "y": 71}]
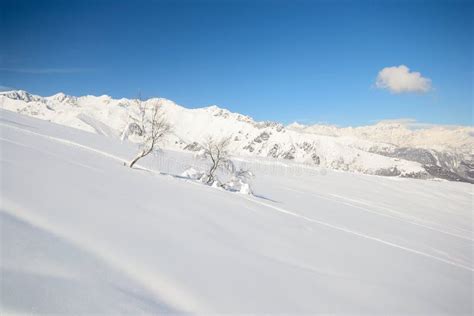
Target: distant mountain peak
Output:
[{"x": 20, "y": 95}]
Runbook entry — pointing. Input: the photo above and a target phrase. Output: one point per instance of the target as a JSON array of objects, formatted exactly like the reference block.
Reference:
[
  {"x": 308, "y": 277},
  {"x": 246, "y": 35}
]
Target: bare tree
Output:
[
  {"x": 216, "y": 151},
  {"x": 153, "y": 127}
]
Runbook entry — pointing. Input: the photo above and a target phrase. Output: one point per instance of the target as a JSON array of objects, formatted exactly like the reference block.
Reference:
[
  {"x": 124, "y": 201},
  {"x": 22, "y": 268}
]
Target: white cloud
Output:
[{"x": 401, "y": 80}]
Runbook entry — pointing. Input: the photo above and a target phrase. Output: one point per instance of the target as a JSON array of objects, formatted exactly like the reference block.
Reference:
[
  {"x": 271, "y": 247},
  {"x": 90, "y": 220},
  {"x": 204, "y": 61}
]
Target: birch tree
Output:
[
  {"x": 153, "y": 126},
  {"x": 216, "y": 151}
]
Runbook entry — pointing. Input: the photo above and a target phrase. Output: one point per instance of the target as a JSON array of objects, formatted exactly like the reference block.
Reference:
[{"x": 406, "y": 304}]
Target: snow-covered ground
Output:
[{"x": 81, "y": 233}]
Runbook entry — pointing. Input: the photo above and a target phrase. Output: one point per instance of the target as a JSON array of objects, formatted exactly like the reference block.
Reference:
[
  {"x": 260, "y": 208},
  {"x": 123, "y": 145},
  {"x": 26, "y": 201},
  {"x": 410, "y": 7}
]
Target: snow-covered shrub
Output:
[
  {"x": 245, "y": 189},
  {"x": 240, "y": 182}
]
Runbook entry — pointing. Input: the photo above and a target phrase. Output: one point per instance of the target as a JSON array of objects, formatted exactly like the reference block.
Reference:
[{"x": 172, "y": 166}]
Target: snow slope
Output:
[{"x": 81, "y": 233}]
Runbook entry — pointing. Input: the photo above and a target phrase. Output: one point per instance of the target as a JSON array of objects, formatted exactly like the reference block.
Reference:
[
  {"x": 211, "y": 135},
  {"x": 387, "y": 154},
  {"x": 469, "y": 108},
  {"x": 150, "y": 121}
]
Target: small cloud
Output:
[
  {"x": 401, "y": 80},
  {"x": 41, "y": 71}
]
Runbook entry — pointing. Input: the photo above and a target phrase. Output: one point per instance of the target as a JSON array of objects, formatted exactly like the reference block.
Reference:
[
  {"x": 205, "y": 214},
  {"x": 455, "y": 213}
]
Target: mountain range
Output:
[{"x": 388, "y": 148}]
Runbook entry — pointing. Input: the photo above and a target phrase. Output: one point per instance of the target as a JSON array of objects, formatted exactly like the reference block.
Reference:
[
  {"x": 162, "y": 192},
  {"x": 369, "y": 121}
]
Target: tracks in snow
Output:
[
  {"x": 402, "y": 217},
  {"x": 361, "y": 235}
]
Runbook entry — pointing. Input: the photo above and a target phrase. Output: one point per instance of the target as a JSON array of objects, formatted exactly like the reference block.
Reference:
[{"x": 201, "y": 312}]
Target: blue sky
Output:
[{"x": 306, "y": 61}]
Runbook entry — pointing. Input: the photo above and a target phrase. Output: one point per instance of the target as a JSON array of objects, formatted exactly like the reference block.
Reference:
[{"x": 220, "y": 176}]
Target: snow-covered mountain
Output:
[
  {"x": 402, "y": 133},
  {"x": 444, "y": 151},
  {"x": 384, "y": 149}
]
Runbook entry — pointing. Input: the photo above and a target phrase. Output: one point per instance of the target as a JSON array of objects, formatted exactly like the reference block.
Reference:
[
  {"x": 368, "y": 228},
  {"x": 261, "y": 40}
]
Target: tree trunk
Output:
[
  {"x": 141, "y": 155},
  {"x": 211, "y": 172},
  {"x": 135, "y": 160}
]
